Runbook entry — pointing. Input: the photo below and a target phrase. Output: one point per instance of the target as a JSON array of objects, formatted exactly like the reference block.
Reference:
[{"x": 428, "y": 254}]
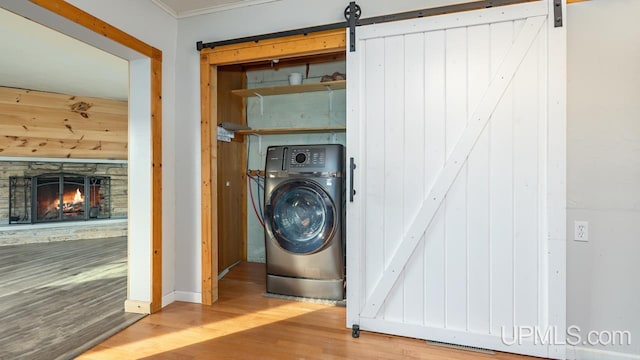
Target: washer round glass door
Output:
[{"x": 301, "y": 216}]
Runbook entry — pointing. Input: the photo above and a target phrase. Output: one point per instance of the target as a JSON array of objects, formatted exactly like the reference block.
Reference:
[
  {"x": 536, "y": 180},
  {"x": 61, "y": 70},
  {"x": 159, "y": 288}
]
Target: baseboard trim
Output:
[
  {"x": 584, "y": 353},
  {"x": 169, "y": 298},
  {"x": 187, "y": 296},
  {"x": 137, "y": 307}
]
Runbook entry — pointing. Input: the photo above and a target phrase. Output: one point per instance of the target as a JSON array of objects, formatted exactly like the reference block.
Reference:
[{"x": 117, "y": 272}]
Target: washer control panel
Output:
[
  {"x": 321, "y": 160},
  {"x": 307, "y": 157}
]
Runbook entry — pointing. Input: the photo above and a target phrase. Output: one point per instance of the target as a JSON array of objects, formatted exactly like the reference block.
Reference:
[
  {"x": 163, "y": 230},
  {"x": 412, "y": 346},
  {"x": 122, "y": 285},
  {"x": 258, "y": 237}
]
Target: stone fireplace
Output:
[{"x": 43, "y": 201}]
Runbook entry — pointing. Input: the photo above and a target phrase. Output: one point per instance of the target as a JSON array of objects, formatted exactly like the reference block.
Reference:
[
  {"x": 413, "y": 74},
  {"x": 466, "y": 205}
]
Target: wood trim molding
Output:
[
  {"x": 156, "y": 183},
  {"x": 92, "y": 23},
  {"x": 207, "y": 202},
  {"x": 322, "y": 42}
]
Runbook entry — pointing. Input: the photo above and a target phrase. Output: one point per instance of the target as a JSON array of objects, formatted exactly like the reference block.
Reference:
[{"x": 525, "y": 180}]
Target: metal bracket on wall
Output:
[
  {"x": 259, "y": 137},
  {"x": 557, "y": 13},
  {"x": 352, "y": 14},
  {"x": 330, "y": 92},
  {"x": 261, "y": 98},
  {"x": 259, "y": 145}
]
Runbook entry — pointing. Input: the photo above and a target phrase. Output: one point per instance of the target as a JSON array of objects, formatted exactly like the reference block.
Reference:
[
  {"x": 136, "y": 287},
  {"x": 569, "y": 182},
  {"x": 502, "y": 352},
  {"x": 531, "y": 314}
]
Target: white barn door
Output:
[{"x": 456, "y": 232}]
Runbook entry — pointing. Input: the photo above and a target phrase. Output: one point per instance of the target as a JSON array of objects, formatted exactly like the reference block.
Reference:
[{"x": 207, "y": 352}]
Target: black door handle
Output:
[{"x": 352, "y": 167}]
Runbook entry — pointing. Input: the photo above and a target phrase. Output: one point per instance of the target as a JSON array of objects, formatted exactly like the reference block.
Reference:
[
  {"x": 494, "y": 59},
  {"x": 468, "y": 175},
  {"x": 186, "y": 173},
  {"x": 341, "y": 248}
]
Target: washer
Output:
[{"x": 304, "y": 221}]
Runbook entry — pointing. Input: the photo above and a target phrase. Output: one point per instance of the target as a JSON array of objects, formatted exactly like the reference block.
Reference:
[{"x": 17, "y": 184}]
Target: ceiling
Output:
[
  {"x": 35, "y": 57},
  {"x": 186, "y": 8}
]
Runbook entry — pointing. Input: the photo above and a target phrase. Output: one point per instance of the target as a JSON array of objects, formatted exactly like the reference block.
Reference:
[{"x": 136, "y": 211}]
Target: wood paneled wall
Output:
[{"x": 50, "y": 125}]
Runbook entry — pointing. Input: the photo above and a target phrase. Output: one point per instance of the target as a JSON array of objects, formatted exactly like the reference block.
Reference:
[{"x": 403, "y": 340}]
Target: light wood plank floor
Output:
[
  {"x": 57, "y": 298},
  {"x": 244, "y": 324}
]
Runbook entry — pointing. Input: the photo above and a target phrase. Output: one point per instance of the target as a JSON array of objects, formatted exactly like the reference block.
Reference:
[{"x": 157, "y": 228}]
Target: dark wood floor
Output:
[
  {"x": 57, "y": 298},
  {"x": 244, "y": 324}
]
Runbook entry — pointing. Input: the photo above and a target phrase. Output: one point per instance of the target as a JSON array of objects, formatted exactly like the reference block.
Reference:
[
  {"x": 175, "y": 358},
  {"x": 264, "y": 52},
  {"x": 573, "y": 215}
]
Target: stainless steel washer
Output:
[{"x": 304, "y": 221}]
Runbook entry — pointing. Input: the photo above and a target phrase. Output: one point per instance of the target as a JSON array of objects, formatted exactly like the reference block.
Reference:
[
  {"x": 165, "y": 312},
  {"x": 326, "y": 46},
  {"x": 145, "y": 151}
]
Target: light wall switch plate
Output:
[{"x": 581, "y": 230}]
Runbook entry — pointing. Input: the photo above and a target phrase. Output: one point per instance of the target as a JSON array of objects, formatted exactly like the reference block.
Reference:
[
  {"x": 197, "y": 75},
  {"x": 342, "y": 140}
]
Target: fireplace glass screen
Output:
[{"x": 58, "y": 197}]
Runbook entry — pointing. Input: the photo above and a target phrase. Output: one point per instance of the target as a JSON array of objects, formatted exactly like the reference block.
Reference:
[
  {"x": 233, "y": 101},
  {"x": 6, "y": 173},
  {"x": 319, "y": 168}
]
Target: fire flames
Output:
[{"x": 71, "y": 202}]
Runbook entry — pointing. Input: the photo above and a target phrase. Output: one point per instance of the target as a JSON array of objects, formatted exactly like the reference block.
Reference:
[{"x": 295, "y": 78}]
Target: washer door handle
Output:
[{"x": 352, "y": 168}]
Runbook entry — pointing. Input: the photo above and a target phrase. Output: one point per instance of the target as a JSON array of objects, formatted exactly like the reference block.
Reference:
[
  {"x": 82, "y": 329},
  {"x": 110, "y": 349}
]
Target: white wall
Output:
[
  {"x": 253, "y": 20},
  {"x": 150, "y": 24},
  {"x": 604, "y": 169}
]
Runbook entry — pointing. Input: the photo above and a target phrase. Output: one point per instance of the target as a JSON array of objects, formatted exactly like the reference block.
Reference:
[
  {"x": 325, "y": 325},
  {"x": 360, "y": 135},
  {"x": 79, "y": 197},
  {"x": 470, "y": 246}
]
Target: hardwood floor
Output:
[
  {"x": 57, "y": 298},
  {"x": 244, "y": 324}
]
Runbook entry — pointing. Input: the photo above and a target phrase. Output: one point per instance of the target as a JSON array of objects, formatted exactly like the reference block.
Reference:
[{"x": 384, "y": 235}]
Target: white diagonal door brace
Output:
[{"x": 476, "y": 124}]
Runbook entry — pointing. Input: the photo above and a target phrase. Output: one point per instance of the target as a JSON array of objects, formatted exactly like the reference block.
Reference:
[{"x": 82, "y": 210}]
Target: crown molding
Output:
[
  {"x": 165, "y": 7},
  {"x": 210, "y": 9}
]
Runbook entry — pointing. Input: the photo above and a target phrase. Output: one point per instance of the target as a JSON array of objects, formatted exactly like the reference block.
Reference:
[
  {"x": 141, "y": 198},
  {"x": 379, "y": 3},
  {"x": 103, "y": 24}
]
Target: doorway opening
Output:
[
  {"x": 225, "y": 170},
  {"x": 145, "y": 156}
]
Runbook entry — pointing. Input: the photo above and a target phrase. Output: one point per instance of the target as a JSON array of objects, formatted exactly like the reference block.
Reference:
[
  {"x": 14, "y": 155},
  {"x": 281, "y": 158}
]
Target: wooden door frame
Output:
[
  {"x": 96, "y": 25},
  {"x": 318, "y": 43}
]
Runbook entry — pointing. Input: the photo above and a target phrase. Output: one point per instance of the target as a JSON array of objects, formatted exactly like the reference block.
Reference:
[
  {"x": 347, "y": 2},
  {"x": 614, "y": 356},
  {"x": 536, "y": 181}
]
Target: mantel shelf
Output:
[
  {"x": 291, "y": 89},
  {"x": 279, "y": 131}
]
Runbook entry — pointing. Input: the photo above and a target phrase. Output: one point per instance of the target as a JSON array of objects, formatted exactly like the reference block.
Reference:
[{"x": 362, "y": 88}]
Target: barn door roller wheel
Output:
[
  {"x": 352, "y": 14},
  {"x": 357, "y": 10}
]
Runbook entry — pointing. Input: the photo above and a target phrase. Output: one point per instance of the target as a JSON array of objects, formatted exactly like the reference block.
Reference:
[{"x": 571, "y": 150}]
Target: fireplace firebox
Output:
[{"x": 58, "y": 197}]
